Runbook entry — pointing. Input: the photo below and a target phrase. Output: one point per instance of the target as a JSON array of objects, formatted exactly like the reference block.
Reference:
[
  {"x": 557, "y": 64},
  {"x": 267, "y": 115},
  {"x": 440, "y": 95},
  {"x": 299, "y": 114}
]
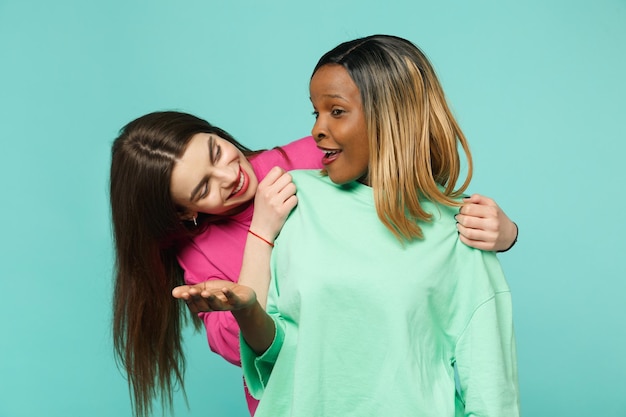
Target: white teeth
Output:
[
  {"x": 240, "y": 185},
  {"x": 331, "y": 153}
]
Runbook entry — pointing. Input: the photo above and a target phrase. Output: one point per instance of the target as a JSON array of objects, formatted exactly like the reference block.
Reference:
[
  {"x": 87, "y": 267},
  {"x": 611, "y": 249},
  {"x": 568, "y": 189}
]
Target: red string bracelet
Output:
[{"x": 263, "y": 239}]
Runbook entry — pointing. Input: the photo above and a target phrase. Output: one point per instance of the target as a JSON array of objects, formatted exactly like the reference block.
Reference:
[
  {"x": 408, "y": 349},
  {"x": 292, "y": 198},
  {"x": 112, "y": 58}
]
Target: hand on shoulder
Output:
[{"x": 483, "y": 225}]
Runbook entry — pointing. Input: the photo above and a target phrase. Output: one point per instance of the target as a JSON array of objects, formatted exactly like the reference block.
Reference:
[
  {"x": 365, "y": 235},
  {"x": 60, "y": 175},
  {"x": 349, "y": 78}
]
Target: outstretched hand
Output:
[
  {"x": 483, "y": 225},
  {"x": 215, "y": 295}
]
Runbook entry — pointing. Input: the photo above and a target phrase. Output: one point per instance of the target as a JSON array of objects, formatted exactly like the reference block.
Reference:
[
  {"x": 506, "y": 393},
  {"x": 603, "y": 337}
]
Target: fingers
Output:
[
  {"x": 275, "y": 198},
  {"x": 215, "y": 295},
  {"x": 290, "y": 200},
  {"x": 197, "y": 305},
  {"x": 272, "y": 176},
  {"x": 181, "y": 292},
  {"x": 185, "y": 292},
  {"x": 480, "y": 213},
  {"x": 479, "y": 210},
  {"x": 223, "y": 299},
  {"x": 189, "y": 292},
  {"x": 282, "y": 187},
  {"x": 191, "y": 295},
  {"x": 277, "y": 178},
  {"x": 277, "y": 181},
  {"x": 485, "y": 222},
  {"x": 476, "y": 237},
  {"x": 478, "y": 244},
  {"x": 480, "y": 219},
  {"x": 480, "y": 200},
  {"x": 284, "y": 193},
  {"x": 208, "y": 300}
]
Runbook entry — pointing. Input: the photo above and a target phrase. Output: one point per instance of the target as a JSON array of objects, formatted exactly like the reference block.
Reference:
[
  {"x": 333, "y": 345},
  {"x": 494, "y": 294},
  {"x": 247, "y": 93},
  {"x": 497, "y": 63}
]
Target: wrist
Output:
[
  {"x": 247, "y": 312},
  {"x": 514, "y": 240},
  {"x": 264, "y": 228},
  {"x": 260, "y": 237}
]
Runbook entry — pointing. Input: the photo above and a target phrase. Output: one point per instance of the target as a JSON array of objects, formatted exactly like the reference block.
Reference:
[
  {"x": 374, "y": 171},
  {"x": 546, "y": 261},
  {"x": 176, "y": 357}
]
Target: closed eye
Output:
[
  {"x": 211, "y": 144},
  {"x": 200, "y": 191},
  {"x": 205, "y": 190},
  {"x": 215, "y": 150},
  {"x": 218, "y": 153}
]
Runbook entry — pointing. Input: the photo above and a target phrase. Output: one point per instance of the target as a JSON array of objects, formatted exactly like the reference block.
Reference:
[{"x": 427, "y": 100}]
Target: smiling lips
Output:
[
  {"x": 242, "y": 185},
  {"x": 329, "y": 156}
]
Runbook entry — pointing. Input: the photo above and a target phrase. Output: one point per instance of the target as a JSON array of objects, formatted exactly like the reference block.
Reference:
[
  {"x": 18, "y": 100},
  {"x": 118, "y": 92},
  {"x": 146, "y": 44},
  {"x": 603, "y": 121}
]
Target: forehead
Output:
[
  {"x": 333, "y": 81},
  {"x": 198, "y": 144},
  {"x": 190, "y": 168}
]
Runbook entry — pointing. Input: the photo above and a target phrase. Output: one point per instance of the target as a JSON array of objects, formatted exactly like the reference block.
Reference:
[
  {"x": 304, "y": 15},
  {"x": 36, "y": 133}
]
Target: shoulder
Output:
[
  {"x": 305, "y": 144},
  {"x": 313, "y": 183},
  {"x": 479, "y": 272},
  {"x": 300, "y": 154},
  {"x": 308, "y": 175},
  {"x": 442, "y": 215}
]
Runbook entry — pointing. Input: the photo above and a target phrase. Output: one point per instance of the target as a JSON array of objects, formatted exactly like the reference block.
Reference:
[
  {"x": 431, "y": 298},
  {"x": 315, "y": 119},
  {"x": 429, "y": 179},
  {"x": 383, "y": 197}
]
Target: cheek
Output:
[
  {"x": 362, "y": 145},
  {"x": 211, "y": 206},
  {"x": 362, "y": 160},
  {"x": 232, "y": 153}
]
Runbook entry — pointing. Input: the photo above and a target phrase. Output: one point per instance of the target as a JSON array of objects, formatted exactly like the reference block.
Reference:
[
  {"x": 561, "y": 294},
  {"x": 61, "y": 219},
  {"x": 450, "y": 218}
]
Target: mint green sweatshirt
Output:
[{"x": 367, "y": 325}]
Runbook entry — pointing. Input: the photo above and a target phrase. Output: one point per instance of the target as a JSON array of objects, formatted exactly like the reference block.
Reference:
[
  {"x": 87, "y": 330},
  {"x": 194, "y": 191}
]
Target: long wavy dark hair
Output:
[{"x": 147, "y": 320}]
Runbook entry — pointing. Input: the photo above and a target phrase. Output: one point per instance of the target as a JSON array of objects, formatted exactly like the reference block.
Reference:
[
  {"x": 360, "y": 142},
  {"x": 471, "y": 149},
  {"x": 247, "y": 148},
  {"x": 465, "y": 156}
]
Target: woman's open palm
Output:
[{"x": 215, "y": 295}]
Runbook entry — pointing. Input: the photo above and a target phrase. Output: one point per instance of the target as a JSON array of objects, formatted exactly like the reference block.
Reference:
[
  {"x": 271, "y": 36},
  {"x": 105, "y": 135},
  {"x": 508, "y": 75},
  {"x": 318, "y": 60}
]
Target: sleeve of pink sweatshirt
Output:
[{"x": 218, "y": 252}]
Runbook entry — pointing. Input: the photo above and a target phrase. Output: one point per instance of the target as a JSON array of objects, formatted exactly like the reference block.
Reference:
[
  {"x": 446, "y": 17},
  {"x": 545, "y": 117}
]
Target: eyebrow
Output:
[
  {"x": 211, "y": 144},
  {"x": 196, "y": 190},
  {"x": 339, "y": 96}
]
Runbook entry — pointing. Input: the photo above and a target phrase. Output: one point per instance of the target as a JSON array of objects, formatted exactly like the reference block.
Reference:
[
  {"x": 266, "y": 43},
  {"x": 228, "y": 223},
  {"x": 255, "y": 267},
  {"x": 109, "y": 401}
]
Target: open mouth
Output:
[
  {"x": 240, "y": 188},
  {"x": 329, "y": 156}
]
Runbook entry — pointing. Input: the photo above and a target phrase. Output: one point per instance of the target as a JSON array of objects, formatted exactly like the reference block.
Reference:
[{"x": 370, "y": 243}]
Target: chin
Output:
[
  {"x": 251, "y": 191},
  {"x": 341, "y": 179}
]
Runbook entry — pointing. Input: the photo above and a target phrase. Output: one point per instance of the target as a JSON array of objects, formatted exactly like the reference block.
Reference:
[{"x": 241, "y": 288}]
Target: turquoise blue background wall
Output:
[{"x": 538, "y": 87}]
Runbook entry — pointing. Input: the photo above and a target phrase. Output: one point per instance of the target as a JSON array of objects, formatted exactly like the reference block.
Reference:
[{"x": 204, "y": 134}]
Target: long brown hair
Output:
[
  {"x": 413, "y": 136},
  {"x": 147, "y": 320}
]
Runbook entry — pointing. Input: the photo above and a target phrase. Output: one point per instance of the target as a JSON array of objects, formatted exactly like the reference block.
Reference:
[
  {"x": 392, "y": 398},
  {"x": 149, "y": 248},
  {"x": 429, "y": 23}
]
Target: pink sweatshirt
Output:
[{"x": 218, "y": 252}]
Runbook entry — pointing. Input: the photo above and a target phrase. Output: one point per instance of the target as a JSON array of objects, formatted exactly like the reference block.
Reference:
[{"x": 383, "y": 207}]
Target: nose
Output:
[
  {"x": 225, "y": 175},
  {"x": 318, "y": 131}
]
